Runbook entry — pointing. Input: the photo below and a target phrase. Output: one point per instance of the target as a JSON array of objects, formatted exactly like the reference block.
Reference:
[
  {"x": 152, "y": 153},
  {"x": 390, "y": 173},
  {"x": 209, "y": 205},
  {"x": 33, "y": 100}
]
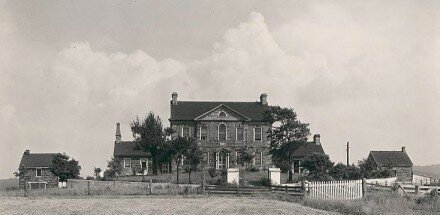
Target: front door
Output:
[
  {"x": 222, "y": 160},
  {"x": 144, "y": 165}
]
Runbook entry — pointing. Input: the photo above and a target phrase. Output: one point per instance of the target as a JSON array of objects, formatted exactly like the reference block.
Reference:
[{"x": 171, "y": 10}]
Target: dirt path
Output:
[{"x": 152, "y": 205}]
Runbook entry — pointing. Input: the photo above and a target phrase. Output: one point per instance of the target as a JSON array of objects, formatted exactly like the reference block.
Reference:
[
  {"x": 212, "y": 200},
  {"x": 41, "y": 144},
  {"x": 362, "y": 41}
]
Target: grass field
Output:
[{"x": 199, "y": 204}]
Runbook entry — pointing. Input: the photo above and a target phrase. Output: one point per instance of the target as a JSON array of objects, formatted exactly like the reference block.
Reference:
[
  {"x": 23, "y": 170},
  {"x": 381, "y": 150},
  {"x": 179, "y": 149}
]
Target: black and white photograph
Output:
[{"x": 183, "y": 107}]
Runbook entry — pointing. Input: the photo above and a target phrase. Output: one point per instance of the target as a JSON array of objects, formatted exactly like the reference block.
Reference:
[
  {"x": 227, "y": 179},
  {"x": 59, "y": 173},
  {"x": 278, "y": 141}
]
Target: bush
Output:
[
  {"x": 264, "y": 181},
  {"x": 90, "y": 178},
  {"x": 212, "y": 172}
]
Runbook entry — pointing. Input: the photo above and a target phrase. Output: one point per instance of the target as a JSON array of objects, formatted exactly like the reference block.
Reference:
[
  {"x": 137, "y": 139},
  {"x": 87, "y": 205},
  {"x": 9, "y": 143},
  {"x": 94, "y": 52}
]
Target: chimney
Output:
[
  {"x": 403, "y": 149},
  {"x": 317, "y": 139},
  {"x": 118, "y": 133},
  {"x": 263, "y": 99},
  {"x": 27, "y": 151},
  {"x": 174, "y": 98}
]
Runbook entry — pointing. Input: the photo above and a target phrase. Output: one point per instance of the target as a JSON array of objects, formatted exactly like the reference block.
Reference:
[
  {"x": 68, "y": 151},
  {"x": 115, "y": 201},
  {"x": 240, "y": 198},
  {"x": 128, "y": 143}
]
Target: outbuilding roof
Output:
[
  {"x": 189, "y": 110},
  {"x": 37, "y": 159},
  {"x": 128, "y": 148},
  {"x": 308, "y": 149},
  {"x": 393, "y": 158}
]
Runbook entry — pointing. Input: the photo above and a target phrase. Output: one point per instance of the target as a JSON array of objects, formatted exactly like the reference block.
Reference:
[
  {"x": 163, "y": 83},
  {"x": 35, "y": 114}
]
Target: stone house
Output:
[
  {"x": 306, "y": 150},
  {"x": 398, "y": 161},
  {"x": 132, "y": 159},
  {"x": 37, "y": 174},
  {"x": 223, "y": 129}
]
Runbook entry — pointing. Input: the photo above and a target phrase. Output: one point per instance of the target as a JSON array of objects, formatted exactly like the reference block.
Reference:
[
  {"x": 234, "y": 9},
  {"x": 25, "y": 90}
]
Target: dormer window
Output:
[{"x": 222, "y": 114}]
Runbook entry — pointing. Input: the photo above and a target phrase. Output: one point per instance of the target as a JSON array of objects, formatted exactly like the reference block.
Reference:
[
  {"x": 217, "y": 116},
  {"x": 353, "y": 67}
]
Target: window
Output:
[
  {"x": 203, "y": 133},
  {"x": 222, "y": 114},
  {"x": 165, "y": 168},
  {"x": 38, "y": 172},
  {"x": 127, "y": 162},
  {"x": 185, "y": 132},
  {"x": 258, "y": 133},
  {"x": 297, "y": 166},
  {"x": 240, "y": 134},
  {"x": 222, "y": 132}
]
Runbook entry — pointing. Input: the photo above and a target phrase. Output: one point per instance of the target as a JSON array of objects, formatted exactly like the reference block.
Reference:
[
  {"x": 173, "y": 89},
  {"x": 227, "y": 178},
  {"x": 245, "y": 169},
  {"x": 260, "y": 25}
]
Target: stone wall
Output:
[
  {"x": 404, "y": 174},
  {"x": 46, "y": 176}
]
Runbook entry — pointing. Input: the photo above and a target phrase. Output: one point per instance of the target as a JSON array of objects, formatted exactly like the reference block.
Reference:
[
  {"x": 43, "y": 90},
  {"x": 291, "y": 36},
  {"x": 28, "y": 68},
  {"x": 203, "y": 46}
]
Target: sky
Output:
[{"x": 357, "y": 71}]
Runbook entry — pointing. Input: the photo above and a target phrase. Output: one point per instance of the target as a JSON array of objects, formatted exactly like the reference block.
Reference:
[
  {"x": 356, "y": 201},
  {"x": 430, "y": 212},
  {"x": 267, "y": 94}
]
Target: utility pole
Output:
[{"x": 348, "y": 153}]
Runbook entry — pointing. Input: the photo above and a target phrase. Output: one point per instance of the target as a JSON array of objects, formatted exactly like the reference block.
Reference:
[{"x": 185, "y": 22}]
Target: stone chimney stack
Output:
[
  {"x": 118, "y": 133},
  {"x": 174, "y": 98},
  {"x": 317, "y": 139},
  {"x": 263, "y": 99},
  {"x": 403, "y": 149},
  {"x": 27, "y": 151}
]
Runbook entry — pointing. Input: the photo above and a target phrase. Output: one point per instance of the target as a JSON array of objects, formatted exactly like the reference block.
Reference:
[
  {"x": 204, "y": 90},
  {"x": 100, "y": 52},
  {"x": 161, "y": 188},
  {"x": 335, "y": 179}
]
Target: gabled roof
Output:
[
  {"x": 308, "y": 149},
  {"x": 32, "y": 160},
  {"x": 224, "y": 106},
  {"x": 189, "y": 110},
  {"x": 128, "y": 148},
  {"x": 393, "y": 158}
]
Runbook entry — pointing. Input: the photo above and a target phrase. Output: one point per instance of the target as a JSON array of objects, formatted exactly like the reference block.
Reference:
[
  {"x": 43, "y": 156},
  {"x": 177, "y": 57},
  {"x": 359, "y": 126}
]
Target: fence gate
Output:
[{"x": 336, "y": 189}]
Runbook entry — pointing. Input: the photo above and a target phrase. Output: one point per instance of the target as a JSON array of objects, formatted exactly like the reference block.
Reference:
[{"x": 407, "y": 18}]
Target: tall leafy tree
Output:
[
  {"x": 65, "y": 168},
  {"x": 113, "y": 168},
  {"x": 149, "y": 136},
  {"x": 177, "y": 149},
  {"x": 194, "y": 156},
  {"x": 286, "y": 135},
  {"x": 319, "y": 166}
]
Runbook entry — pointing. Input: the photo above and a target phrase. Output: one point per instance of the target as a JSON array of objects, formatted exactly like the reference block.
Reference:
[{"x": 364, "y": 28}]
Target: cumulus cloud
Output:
[{"x": 331, "y": 73}]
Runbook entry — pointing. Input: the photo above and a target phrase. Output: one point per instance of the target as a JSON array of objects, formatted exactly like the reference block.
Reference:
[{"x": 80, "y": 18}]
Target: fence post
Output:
[
  {"x": 238, "y": 189},
  {"x": 150, "y": 185},
  {"x": 203, "y": 182},
  {"x": 285, "y": 188},
  {"x": 417, "y": 189},
  {"x": 88, "y": 187},
  {"x": 303, "y": 189},
  {"x": 364, "y": 187}
]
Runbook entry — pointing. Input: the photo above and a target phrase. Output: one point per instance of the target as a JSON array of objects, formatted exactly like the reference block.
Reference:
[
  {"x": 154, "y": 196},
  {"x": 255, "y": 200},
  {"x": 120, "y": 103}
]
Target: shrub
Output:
[
  {"x": 264, "y": 181},
  {"x": 90, "y": 178},
  {"x": 212, "y": 172}
]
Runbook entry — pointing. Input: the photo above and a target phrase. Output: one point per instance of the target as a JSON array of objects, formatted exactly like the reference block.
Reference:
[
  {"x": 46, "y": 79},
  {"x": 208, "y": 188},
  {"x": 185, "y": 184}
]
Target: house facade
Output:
[
  {"x": 37, "y": 174},
  {"x": 398, "y": 161}
]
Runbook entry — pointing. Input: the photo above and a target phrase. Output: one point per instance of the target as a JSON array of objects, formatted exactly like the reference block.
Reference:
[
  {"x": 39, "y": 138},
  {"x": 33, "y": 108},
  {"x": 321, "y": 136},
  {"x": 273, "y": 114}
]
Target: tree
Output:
[
  {"x": 113, "y": 168},
  {"x": 318, "y": 165},
  {"x": 64, "y": 168},
  {"x": 194, "y": 156},
  {"x": 177, "y": 149},
  {"x": 97, "y": 171},
  {"x": 287, "y": 134},
  {"x": 369, "y": 169},
  {"x": 149, "y": 136},
  {"x": 245, "y": 157},
  {"x": 341, "y": 171},
  {"x": 20, "y": 172}
]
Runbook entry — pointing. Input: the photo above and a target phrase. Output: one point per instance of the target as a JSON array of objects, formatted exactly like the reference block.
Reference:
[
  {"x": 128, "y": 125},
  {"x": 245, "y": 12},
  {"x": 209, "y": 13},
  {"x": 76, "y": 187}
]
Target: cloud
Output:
[{"x": 352, "y": 81}]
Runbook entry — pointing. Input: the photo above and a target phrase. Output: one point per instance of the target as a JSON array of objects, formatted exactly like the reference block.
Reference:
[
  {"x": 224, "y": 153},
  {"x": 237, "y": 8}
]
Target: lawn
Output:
[{"x": 198, "y": 204}]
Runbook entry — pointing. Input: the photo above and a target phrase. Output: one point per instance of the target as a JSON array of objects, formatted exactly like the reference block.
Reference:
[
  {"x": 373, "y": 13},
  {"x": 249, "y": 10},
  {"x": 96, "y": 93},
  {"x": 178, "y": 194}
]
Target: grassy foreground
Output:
[{"x": 198, "y": 204}]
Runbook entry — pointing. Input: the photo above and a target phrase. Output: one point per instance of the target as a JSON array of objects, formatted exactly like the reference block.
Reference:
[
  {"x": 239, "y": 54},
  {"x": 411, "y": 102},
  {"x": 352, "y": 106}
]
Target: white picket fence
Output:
[{"x": 336, "y": 189}]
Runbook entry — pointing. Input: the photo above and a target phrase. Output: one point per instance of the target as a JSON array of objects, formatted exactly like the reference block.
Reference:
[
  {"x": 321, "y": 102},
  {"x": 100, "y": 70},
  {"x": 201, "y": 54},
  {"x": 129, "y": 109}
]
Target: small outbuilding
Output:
[
  {"x": 398, "y": 161},
  {"x": 36, "y": 171}
]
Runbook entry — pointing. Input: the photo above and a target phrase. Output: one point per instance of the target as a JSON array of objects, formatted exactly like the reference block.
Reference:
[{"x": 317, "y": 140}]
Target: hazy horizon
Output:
[{"x": 363, "y": 72}]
